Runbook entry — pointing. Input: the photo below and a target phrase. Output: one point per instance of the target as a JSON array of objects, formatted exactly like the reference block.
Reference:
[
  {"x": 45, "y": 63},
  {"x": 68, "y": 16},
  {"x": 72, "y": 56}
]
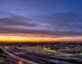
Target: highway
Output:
[
  {"x": 17, "y": 58},
  {"x": 37, "y": 58},
  {"x": 45, "y": 59},
  {"x": 6, "y": 60}
]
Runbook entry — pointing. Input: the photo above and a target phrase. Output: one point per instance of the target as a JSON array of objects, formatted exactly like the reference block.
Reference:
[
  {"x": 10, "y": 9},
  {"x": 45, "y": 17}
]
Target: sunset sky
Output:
[{"x": 40, "y": 20}]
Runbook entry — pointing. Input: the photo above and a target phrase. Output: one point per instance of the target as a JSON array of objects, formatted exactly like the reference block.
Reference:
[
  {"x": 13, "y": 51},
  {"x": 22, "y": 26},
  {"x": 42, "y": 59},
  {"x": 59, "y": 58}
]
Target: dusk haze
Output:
[
  {"x": 46, "y": 20},
  {"x": 40, "y": 31}
]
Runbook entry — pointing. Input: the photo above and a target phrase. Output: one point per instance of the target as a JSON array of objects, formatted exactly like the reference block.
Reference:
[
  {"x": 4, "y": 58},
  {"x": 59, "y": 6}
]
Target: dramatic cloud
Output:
[
  {"x": 65, "y": 23},
  {"x": 56, "y": 25},
  {"x": 41, "y": 18}
]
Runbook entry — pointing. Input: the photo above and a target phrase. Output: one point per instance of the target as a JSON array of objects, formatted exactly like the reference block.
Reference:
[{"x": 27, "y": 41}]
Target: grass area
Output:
[{"x": 49, "y": 50}]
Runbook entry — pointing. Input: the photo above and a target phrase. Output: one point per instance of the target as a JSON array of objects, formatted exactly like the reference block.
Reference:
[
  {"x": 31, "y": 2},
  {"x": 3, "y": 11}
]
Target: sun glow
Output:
[{"x": 15, "y": 38}]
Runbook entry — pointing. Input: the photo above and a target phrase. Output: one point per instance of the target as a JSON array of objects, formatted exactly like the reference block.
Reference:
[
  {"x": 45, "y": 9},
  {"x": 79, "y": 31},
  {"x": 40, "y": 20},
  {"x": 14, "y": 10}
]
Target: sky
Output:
[{"x": 41, "y": 20}]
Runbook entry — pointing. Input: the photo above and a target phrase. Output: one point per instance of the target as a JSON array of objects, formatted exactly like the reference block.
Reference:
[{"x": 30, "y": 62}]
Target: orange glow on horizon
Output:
[{"x": 11, "y": 38}]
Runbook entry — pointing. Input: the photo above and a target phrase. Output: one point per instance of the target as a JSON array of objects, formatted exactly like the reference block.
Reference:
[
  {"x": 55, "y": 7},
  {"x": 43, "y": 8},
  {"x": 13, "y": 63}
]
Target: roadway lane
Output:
[
  {"x": 6, "y": 60},
  {"x": 38, "y": 58},
  {"x": 12, "y": 55},
  {"x": 41, "y": 58}
]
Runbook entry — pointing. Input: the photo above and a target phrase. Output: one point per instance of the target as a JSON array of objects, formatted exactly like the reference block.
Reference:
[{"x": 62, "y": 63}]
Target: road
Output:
[
  {"x": 37, "y": 58},
  {"x": 17, "y": 58},
  {"x": 6, "y": 60}
]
